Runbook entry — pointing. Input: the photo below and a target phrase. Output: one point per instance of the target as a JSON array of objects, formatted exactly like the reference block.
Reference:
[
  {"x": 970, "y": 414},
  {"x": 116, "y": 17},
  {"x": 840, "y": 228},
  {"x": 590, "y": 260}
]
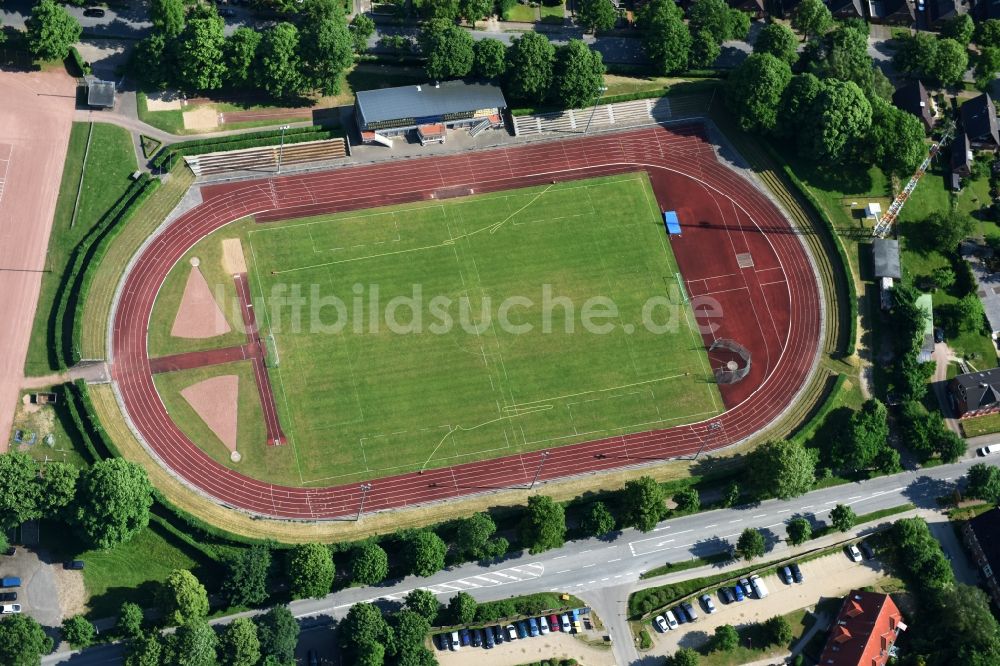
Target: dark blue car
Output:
[
  {"x": 532, "y": 626},
  {"x": 522, "y": 629}
]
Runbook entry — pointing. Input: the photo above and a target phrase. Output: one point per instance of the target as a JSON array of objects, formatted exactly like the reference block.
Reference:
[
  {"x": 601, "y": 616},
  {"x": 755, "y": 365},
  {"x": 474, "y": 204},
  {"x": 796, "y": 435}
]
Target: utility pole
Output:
[
  {"x": 365, "y": 487},
  {"x": 545, "y": 454},
  {"x": 281, "y": 146},
  {"x": 600, "y": 94}
]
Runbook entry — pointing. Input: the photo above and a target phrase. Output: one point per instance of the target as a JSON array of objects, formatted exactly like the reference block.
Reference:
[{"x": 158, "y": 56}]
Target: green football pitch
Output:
[{"x": 443, "y": 332}]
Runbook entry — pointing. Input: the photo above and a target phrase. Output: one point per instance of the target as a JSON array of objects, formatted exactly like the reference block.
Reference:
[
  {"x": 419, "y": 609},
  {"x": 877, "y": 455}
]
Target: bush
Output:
[
  {"x": 75, "y": 63},
  {"x": 645, "y": 642}
]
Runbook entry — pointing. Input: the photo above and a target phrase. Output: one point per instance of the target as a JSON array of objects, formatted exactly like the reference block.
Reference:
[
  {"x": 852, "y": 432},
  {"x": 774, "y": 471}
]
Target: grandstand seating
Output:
[
  {"x": 619, "y": 115},
  {"x": 266, "y": 158}
]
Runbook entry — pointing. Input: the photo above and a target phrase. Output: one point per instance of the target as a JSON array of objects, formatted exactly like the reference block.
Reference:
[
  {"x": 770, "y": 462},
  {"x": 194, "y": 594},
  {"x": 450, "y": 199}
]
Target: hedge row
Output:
[
  {"x": 611, "y": 99},
  {"x": 529, "y": 604},
  {"x": 73, "y": 395},
  {"x": 835, "y": 239},
  {"x": 167, "y": 155},
  {"x": 553, "y": 662},
  {"x": 76, "y": 64},
  {"x": 80, "y": 261},
  {"x": 99, "y": 249}
]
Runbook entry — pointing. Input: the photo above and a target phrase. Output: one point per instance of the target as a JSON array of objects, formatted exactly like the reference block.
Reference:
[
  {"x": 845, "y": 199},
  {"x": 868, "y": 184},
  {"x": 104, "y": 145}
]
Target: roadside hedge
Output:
[
  {"x": 166, "y": 157},
  {"x": 76, "y": 64}
]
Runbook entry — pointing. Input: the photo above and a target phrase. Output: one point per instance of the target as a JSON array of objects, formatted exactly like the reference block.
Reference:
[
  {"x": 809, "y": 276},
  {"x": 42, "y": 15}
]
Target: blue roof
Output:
[{"x": 671, "y": 222}]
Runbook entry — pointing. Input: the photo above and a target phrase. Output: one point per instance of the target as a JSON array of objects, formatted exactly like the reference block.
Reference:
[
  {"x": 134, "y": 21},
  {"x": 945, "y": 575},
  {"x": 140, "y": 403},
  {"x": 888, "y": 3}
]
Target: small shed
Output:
[
  {"x": 873, "y": 209},
  {"x": 100, "y": 94}
]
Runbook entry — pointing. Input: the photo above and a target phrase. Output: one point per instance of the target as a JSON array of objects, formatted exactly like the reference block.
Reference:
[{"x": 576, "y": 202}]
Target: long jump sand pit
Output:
[
  {"x": 35, "y": 121},
  {"x": 232, "y": 256}
]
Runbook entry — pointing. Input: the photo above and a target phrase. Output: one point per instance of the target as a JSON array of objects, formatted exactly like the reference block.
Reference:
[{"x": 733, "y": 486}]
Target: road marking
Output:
[
  {"x": 585, "y": 551},
  {"x": 784, "y": 510},
  {"x": 738, "y": 520},
  {"x": 807, "y": 506},
  {"x": 760, "y": 515},
  {"x": 604, "y": 579},
  {"x": 587, "y": 566},
  {"x": 855, "y": 497},
  {"x": 708, "y": 527},
  {"x": 774, "y": 525},
  {"x": 617, "y": 559},
  {"x": 563, "y": 571},
  {"x": 559, "y": 558},
  {"x": 683, "y": 532},
  {"x": 663, "y": 542}
]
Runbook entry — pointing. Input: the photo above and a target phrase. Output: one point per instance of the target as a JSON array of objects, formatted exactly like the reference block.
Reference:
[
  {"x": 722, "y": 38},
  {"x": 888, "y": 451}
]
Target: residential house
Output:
[
  {"x": 844, "y": 9},
  {"x": 885, "y": 252},
  {"x": 940, "y": 12},
  {"x": 893, "y": 12},
  {"x": 980, "y": 260},
  {"x": 865, "y": 631},
  {"x": 975, "y": 393},
  {"x": 755, "y": 8},
  {"x": 913, "y": 98},
  {"x": 982, "y": 536},
  {"x": 961, "y": 159},
  {"x": 979, "y": 122}
]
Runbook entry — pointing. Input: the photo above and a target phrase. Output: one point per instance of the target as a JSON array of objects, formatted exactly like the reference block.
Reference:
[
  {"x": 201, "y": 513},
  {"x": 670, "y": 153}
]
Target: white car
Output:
[
  {"x": 987, "y": 450},
  {"x": 10, "y": 608},
  {"x": 511, "y": 633},
  {"x": 661, "y": 624},
  {"x": 671, "y": 620},
  {"x": 564, "y": 619},
  {"x": 854, "y": 553},
  {"x": 543, "y": 625},
  {"x": 456, "y": 642}
]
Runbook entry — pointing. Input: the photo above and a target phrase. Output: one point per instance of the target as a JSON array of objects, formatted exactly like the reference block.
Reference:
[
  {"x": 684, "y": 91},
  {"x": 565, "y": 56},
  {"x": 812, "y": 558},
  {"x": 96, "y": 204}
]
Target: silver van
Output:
[{"x": 759, "y": 588}]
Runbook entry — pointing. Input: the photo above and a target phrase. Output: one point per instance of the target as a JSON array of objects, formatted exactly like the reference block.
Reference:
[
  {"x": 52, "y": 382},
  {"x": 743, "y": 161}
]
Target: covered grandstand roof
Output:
[{"x": 428, "y": 100}]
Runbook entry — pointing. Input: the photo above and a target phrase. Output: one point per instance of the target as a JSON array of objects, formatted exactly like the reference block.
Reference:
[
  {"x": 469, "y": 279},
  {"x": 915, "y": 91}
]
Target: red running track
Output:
[{"x": 729, "y": 216}]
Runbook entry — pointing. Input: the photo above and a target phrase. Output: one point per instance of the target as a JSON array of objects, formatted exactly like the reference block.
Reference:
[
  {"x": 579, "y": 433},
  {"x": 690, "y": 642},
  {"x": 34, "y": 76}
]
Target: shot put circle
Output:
[
  {"x": 195, "y": 262},
  {"x": 235, "y": 456}
]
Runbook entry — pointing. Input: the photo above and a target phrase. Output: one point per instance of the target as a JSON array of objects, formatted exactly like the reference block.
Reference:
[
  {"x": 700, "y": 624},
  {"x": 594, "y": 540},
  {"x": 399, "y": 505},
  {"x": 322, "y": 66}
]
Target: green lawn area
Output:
[
  {"x": 521, "y": 14},
  {"x": 258, "y": 459},
  {"x": 110, "y": 162},
  {"x": 168, "y": 121},
  {"x": 800, "y": 621},
  {"x": 981, "y": 425},
  {"x": 359, "y": 400},
  {"x": 553, "y": 13}
]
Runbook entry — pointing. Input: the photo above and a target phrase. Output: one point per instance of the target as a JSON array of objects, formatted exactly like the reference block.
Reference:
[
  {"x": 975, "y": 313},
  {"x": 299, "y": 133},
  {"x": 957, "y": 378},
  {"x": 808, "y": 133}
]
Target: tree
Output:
[
  {"x": 596, "y": 15},
  {"x": 278, "y": 632},
  {"x": 130, "y": 618},
  {"x": 240, "y": 56},
  {"x": 687, "y": 500},
  {"x": 866, "y": 436},
  {"x": 112, "y": 503},
  {"x": 167, "y": 16},
  {"x": 715, "y": 16},
  {"x": 751, "y": 544},
  {"x": 489, "y": 58},
  {"x": 778, "y": 40},
  {"x": 438, "y": 9},
  {"x": 310, "y": 570},
  {"x": 423, "y": 602},
  {"x": 726, "y": 638},
  {"x": 948, "y": 445},
  {"x": 704, "y": 49},
  {"x": 472, "y": 535},
  {"x": 239, "y": 645},
  {"x": 987, "y": 33},
  {"x": 666, "y": 39},
  {"x": 246, "y": 579},
  {"x": 754, "y": 90},
  {"x": 781, "y": 469},
  {"x": 22, "y": 641},
  {"x": 732, "y": 495},
  {"x": 778, "y": 630},
  {"x": 369, "y": 565},
  {"x": 842, "y": 116},
  {"x": 51, "y": 31},
  {"x": 194, "y": 644},
  {"x": 279, "y": 68},
  {"x": 327, "y": 52},
  {"x": 847, "y": 57},
  {"x": 448, "y": 49},
  {"x": 896, "y": 138},
  {"x": 799, "y": 531},
  {"x": 19, "y": 492},
  {"x": 916, "y": 54},
  {"x": 812, "y": 18},
  {"x": 183, "y": 598},
  {"x": 959, "y": 28},
  {"x": 200, "y": 59},
  {"x": 153, "y": 62},
  {"x": 423, "y": 552},
  {"x": 362, "y": 27},
  {"x": 987, "y": 66},
  {"x": 409, "y": 631},
  {"x": 462, "y": 608},
  {"x": 947, "y": 230},
  {"x": 983, "y": 482},
  {"x": 598, "y": 520},
  {"x": 843, "y": 517},
  {"x": 643, "y": 504},
  {"x": 579, "y": 74},
  {"x": 796, "y": 102},
  {"x": 530, "y": 60},
  {"x": 950, "y": 62},
  {"x": 475, "y": 10},
  {"x": 145, "y": 650},
  {"x": 363, "y": 624},
  {"x": 544, "y": 525},
  {"x": 78, "y": 632},
  {"x": 370, "y": 654},
  {"x": 683, "y": 657}
]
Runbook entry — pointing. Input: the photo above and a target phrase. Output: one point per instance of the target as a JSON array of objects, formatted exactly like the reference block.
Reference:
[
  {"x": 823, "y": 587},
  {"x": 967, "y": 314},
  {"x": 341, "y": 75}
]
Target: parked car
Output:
[
  {"x": 796, "y": 573},
  {"x": 566, "y": 626},
  {"x": 522, "y": 629},
  {"x": 866, "y": 550},
  {"x": 10, "y": 581},
  {"x": 987, "y": 450},
  {"x": 938, "y": 335},
  {"x": 73, "y": 564},
  {"x": 464, "y": 637},
  {"x": 488, "y": 642},
  {"x": 543, "y": 625},
  {"x": 498, "y": 634},
  {"x": 8, "y": 596},
  {"x": 725, "y": 595},
  {"x": 660, "y": 624},
  {"x": 759, "y": 588},
  {"x": 554, "y": 623},
  {"x": 533, "y": 626},
  {"x": 442, "y": 641},
  {"x": 94, "y": 12},
  {"x": 747, "y": 590},
  {"x": 456, "y": 642},
  {"x": 477, "y": 637},
  {"x": 671, "y": 620},
  {"x": 786, "y": 575},
  {"x": 512, "y": 633},
  {"x": 689, "y": 609},
  {"x": 9, "y": 608},
  {"x": 707, "y": 602},
  {"x": 853, "y": 553},
  {"x": 738, "y": 592}
]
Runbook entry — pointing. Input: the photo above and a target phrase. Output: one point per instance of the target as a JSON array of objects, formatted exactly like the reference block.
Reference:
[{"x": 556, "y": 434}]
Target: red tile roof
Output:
[{"x": 864, "y": 631}]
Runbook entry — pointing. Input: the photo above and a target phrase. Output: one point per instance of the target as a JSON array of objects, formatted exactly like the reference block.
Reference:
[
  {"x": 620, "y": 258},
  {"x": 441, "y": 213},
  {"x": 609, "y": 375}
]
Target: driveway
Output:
[{"x": 831, "y": 576}]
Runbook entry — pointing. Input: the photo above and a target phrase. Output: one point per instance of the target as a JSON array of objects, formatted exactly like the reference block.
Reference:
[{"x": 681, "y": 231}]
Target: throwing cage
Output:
[{"x": 730, "y": 361}]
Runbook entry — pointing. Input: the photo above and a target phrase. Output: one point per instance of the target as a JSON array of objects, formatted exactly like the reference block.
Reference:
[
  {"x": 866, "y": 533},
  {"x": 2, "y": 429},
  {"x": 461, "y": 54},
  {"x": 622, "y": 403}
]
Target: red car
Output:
[{"x": 554, "y": 622}]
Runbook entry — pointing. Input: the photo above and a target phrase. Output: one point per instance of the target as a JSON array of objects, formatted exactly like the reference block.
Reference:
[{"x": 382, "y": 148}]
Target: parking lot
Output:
[
  {"x": 831, "y": 576},
  {"x": 549, "y": 646},
  {"x": 39, "y": 591}
]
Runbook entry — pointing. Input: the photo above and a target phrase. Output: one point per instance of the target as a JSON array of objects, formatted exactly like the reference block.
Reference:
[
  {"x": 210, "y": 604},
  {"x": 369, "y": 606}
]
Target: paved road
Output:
[{"x": 603, "y": 572}]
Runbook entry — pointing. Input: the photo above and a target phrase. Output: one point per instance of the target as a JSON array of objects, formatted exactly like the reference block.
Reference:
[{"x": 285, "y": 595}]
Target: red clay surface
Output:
[
  {"x": 771, "y": 308},
  {"x": 200, "y": 359}
]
